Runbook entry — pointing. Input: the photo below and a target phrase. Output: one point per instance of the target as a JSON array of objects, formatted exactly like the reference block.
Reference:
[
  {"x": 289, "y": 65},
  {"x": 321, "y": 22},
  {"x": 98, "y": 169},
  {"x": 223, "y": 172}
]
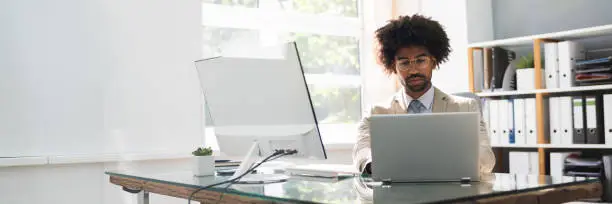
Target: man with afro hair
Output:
[{"x": 411, "y": 47}]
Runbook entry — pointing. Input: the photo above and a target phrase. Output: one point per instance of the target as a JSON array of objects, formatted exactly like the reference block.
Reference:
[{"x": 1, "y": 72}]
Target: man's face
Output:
[{"x": 414, "y": 66}]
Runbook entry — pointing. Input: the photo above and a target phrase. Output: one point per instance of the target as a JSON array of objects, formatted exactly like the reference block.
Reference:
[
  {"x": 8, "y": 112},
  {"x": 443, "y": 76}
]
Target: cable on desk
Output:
[
  {"x": 289, "y": 152},
  {"x": 277, "y": 154}
]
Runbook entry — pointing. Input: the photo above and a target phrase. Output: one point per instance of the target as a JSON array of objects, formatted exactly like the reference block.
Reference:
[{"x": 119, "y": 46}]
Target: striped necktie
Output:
[{"x": 416, "y": 107}]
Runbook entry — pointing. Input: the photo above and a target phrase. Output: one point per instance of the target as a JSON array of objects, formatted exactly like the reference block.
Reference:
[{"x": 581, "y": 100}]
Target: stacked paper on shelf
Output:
[
  {"x": 594, "y": 71},
  {"x": 579, "y": 165}
]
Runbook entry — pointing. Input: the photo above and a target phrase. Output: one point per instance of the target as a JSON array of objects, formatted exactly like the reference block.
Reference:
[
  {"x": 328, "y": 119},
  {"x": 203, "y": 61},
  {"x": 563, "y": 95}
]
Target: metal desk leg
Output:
[{"x": 143, "y": 197}]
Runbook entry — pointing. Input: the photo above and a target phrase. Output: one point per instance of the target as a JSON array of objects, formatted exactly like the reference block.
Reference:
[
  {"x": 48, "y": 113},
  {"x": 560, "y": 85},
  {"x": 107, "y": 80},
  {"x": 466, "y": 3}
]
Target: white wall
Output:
[
  {"x": 95, "y": 77},
  {"x": 452, "y": 76},
  {"x": 479, "y": 20},
  {"x": 99, "y": 76},
  {"x": 551, "y": 16},
  {"x": 408, "y": 7}
]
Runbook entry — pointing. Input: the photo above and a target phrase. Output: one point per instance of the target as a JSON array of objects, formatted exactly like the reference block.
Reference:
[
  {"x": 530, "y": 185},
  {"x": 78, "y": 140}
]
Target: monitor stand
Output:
[{"x": 248, "y": 162}]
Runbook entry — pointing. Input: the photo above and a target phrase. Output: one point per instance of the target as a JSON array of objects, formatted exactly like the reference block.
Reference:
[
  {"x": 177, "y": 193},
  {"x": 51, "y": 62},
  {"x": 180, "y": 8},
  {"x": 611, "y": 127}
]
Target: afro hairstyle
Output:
[{"x": 407, "y": 31}]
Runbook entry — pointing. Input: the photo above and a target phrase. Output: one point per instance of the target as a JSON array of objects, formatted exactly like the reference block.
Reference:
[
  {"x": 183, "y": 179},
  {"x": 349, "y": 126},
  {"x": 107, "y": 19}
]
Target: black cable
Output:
[
  {"x": 223, "y": 192},
  {"x": 231, "y": 183},
  {"x": 276, "y": 153},
  {"x": 279, "y": 156},
  {"x": 286, "y": 152}
]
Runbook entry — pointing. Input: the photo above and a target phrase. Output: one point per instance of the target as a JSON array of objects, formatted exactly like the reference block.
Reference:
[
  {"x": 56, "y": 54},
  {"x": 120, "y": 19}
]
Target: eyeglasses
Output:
[{"x": 421, "y": 62}]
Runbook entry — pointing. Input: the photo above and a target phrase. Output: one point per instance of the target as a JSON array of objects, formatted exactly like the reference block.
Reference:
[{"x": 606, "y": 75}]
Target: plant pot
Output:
[
  {"x": 203, "y": 165},
  {"x": 525, "y": 78}
]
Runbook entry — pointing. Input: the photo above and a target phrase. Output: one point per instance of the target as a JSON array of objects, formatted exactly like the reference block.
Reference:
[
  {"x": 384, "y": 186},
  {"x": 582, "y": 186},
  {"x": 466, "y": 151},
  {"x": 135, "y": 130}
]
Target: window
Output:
[
  {"x": 213, "y": 37},
  {"x": 327, "y": 35},
  {"x": 329, "y": 7},
  {"x": 243, "y": 3}
]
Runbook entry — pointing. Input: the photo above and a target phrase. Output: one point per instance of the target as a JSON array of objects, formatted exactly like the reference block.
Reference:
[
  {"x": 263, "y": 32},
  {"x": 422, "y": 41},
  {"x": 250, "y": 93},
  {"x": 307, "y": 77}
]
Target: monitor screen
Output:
[{"x": 259, "y": 93}]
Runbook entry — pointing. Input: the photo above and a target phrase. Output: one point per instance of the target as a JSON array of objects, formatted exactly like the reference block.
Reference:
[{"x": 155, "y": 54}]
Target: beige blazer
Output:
[{"x": 442, "y": 103}]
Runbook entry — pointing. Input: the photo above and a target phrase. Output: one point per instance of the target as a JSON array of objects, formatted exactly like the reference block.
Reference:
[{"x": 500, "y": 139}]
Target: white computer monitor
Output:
[{"x": 257, "y": 95}]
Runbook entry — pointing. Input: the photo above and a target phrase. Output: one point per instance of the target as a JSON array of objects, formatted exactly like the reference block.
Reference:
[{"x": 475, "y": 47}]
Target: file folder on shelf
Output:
[
  {"x": 531, "y": 126},
  {"x": 494, "y": 123},
  {"x": 503, "y": 122},
  {"x": 600, "y": 119},
  {"x": 486, "y": 115},
  {"x": 557, "y": 164},
  {"x": 579, "y": 122},
  {"x": 500, "y": 62},
  {"x": 567, "y": 123},
  {"x": 511, "y": 119},
  {"x": 519, "y": 121},
  {"x": 551, "y": 65},
  {"x": 555, "y": 123},
  {"x": 568, "y": 53},
  {"x": 592, "y": 134},
  {"x": 608, "y": 118},
  {"x": 478, "y": 70},
  {"x": 487, "y": 67},
  {"x": 519, "y": 163},
  {"x": 534, "y": 163}
]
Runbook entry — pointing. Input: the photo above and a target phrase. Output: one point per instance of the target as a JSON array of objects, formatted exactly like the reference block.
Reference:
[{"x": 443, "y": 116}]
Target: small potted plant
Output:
[
  {"x": 203, "y": 162},
  {"x": 525, "y": 73}
]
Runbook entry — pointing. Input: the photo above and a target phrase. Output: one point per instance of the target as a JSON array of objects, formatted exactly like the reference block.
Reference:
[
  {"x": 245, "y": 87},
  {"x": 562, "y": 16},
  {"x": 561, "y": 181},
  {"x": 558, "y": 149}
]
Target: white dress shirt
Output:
[{"x": 426, "y": 99}]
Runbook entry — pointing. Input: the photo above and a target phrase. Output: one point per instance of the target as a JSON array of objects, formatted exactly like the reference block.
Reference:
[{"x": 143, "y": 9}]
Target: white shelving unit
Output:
[
  {"x": 576, "y": 146},
  {"x": 563, "y": 35},
  {"x": 536, "y": 41},
  {"x": 558, "y": 90},
  {"x": 528, "y": 40},
  {"x": 506, "y": 93},
  {"x": 577, "y": 89},
  {"x": 513, "y": 146},
  {"x": 556, "y": 146}
]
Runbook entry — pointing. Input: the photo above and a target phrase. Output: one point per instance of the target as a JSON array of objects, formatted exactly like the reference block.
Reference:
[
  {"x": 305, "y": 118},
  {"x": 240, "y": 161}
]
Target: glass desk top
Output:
[{"x": 364, "y": 190}]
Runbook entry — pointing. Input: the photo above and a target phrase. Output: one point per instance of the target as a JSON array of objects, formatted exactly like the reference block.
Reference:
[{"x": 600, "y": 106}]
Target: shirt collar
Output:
[{"x": 426, "y": 99}]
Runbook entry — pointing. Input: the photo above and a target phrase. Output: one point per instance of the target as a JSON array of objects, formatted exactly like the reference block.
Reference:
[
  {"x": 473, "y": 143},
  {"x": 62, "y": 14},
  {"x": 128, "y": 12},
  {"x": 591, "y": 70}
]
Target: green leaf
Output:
[{"x": 202, "y": 151}]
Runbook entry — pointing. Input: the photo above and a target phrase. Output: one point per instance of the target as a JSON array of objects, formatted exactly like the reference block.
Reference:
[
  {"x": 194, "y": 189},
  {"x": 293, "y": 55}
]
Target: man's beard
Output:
[{"x": 416, "y": 88}]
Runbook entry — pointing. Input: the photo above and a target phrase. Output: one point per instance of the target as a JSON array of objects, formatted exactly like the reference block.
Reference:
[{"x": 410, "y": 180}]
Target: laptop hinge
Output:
[{"x": 466, "y": 180}]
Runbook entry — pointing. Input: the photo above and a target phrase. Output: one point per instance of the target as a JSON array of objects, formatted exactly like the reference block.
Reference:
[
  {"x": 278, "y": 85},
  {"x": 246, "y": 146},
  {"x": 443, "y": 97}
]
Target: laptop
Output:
[{"x": 432, "y": 147}]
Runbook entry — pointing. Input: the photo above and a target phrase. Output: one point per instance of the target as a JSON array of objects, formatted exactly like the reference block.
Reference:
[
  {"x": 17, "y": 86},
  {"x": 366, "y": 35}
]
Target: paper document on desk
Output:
[{"x": 322, "y": 170}]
